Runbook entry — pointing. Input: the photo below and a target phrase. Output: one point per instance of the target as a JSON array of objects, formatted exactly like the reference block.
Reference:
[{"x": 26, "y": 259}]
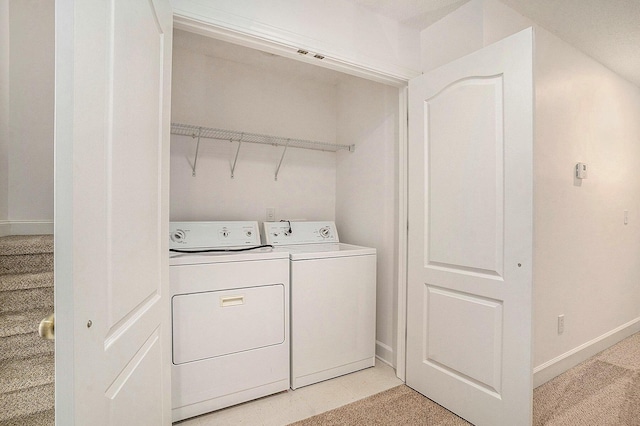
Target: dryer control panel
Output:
[
  {"x": 193, "y": 235},
  {"x": 288, "y": 232}
]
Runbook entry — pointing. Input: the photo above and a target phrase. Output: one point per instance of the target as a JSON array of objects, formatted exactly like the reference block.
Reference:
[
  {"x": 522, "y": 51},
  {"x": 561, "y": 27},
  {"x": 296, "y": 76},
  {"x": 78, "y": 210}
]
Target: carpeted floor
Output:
[
  {"x": 397, "y": 406},
  {"x": 602, "y": 391}
]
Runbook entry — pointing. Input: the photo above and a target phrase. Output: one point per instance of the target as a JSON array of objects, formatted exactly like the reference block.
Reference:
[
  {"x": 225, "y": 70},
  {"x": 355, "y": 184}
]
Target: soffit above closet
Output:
[
  {"x": 608, "y": 31},
  {"x": 255, "y": 58}
]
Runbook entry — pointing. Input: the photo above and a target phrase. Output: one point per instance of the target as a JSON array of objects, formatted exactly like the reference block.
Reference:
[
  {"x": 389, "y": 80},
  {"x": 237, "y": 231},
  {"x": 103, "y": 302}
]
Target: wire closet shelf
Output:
[{"x": 256, "y": 138}]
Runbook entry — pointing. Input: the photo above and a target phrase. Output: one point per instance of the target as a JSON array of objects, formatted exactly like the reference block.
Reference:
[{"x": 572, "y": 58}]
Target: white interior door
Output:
[
  {"x": 469, "y": 306},
  {"x": 113, "y": 62}
]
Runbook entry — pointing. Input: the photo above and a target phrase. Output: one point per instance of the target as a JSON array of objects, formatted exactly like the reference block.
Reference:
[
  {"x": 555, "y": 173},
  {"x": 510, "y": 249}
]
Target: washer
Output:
[
  {"x": 333, "y": 300},
  {"x": 230, "y": 317}
]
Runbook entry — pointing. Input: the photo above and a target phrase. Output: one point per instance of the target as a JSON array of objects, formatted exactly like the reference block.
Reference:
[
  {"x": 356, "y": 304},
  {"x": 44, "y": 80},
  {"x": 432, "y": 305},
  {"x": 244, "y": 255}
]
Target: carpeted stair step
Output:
[
  {"x": 42, "y": 418},
  {"x": 31, "y": 406},
  {"x": 24, "y": 345},
  {"x": 19, "y": 335},
  {"x": 12, "y": 323},
  {"x": 12, "y": 282},
  {"x": 24, "y": 373},
  {"x": 13, "y": 245},
  {"x": 26, "y": 263},
  {"x": 26, "y": 386},
  {"x": 26, "y": 254},
  {"x": 26, "y": 361},
  {"x": 22, "y": 300}
]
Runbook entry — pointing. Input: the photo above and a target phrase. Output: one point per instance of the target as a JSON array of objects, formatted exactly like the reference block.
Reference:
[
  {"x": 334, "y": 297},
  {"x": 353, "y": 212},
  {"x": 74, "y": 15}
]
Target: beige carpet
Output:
[
  {"x": 397, "y": 406},
  {"x": 602, "y": 391},
  {"x": 26, "y": 361}
]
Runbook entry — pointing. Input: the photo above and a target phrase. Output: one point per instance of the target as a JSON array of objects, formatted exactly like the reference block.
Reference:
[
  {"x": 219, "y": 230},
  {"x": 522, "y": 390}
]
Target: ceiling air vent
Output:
[{"x": 306, "y": 52}]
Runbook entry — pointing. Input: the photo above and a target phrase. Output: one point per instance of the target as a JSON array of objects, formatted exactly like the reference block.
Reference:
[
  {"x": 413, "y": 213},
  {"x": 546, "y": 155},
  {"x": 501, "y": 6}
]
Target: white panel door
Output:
[
  {"x": 469, "y": 306},
  {"x": 113, "y": 62}
]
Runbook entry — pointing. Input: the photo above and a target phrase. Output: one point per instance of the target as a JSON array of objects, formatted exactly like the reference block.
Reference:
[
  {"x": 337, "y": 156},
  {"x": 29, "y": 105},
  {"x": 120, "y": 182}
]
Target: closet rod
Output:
[{"x": 231, "y": 135}]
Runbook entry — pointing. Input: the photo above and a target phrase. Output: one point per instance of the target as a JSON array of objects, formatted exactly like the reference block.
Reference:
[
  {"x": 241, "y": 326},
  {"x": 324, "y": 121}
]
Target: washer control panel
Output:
[
  {"x": 192, "y": 235},
  {"x": 287, "y": 232}
]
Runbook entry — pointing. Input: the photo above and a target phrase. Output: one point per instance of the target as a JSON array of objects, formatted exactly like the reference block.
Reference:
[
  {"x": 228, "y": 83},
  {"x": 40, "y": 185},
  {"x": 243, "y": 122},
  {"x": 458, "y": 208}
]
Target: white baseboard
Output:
[
  {"x": 550, "y": 369},
  {"x": 385, "y": 353},
  {"x": 26, "y": 227}
]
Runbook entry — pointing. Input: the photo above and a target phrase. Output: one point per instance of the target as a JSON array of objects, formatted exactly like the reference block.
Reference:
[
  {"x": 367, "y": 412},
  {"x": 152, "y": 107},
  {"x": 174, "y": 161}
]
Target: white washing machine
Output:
[
  {"x": 333, "y": 300},
  {"x": 230, "y": 317}
]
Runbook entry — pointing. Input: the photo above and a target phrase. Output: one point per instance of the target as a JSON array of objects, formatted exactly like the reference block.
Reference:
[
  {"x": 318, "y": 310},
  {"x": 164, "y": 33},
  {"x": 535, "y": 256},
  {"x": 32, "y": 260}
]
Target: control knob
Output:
[
  {"x": 325, "y": 232},
  {"x": 178, "y": 236}
]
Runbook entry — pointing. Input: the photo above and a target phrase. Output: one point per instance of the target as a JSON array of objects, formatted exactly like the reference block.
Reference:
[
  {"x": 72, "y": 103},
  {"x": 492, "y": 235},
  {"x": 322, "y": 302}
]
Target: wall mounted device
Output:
[{"x": 581, "y": 171}]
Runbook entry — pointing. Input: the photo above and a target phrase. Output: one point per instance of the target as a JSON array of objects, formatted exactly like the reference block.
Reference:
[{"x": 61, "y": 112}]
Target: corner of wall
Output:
[
  {"x": 385, "y": 354},
  {"x": 500, "y": 21},
  {"x": 472, "y": 26},
  {"x": 457, "y": 34}
]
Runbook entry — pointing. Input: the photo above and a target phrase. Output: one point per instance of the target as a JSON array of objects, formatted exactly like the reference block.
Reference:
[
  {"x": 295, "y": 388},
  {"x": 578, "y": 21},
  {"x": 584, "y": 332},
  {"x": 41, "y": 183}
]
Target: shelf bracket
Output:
[
  {"x": 235, "y": 160},
  {"x": 195, "y": 158},
  {"x": 282, "y": 158}
]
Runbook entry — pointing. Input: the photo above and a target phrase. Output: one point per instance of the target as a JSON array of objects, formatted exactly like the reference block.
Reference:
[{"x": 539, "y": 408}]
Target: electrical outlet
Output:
[
  {"x": 271, "y": 214},
  {"x": 560, "y": 324}
]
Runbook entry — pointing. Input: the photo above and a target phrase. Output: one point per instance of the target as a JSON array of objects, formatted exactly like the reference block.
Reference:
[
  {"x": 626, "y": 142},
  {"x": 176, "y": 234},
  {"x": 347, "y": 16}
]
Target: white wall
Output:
[
  {"x": 472, "y": 26},
  {"x": 226, "y": 94},
  {"x": 339, "y": 29},
  {"x": 455, "y": 35},
  {"x": 29, "y": 151},
  {"x": 366, "y": 195},
  {"x": 4, "y": 116},
  {"x": 585, "y": 259}
]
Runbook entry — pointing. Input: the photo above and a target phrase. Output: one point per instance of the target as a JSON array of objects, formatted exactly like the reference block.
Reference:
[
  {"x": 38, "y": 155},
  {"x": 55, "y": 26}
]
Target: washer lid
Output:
[{"x": 326, "y": 251}]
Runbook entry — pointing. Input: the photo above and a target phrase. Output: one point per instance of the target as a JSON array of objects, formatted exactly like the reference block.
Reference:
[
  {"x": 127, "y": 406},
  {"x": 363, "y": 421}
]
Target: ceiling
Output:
[{"x": 606, "y": 30}]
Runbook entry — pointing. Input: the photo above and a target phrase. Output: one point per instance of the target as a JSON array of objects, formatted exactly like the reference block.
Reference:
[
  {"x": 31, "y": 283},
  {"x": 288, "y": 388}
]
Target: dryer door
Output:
[{"x": 217, "y": 323}]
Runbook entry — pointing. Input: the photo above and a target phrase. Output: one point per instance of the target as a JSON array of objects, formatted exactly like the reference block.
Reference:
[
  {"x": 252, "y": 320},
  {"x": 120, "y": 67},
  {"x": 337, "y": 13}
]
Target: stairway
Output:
[{"x": 26, "y": 361}]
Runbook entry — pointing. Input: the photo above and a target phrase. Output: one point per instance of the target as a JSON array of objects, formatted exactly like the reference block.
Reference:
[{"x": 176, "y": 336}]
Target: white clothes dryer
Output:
[
  {"x": 333, "y": 300},
  {"x": 230, "y": 317}
]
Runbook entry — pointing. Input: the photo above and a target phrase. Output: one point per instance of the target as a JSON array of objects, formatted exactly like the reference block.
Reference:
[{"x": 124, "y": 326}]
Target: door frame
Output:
[
  {"x": 63, "y": 214},
  {"x": 283, "y": 45}
]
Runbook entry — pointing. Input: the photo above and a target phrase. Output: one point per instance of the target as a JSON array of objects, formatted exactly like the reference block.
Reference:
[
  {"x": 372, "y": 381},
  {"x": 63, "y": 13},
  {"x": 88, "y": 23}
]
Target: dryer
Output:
[
  {"x": 333, "y": 300},
  {"x": 230, "y": 317}
]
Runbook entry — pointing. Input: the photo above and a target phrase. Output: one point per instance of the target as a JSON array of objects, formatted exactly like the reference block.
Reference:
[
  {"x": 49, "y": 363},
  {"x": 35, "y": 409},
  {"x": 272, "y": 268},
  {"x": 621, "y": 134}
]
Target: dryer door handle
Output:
[{"x": 231, "y": 301}]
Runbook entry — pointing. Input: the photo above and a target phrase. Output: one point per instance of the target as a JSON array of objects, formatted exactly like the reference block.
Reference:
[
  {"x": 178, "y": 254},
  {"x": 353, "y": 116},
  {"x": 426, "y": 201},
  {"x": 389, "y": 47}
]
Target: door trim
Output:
[
  {"x": 274, "y": 40},
  {"x": 63, "y": 212}
]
